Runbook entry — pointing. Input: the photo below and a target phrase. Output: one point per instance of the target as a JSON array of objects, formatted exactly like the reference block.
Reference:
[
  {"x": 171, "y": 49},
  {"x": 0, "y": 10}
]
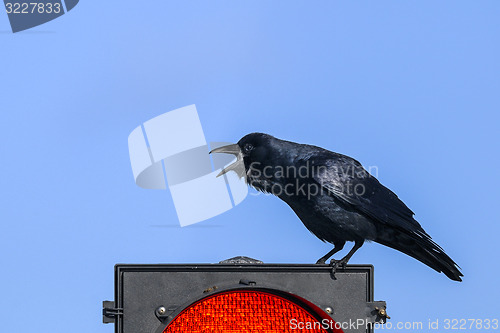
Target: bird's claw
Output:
[{"x": 336, "y": 264}]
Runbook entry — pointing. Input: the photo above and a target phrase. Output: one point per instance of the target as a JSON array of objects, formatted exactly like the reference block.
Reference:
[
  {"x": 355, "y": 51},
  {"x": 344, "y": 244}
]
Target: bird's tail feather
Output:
[{"x": 420, "y": 246}]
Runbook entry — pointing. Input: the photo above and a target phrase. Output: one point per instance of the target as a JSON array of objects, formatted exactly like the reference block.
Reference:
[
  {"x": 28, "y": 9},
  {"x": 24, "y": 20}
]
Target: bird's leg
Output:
[
  {"x": 343, "y": 262},
  {"x": 339, "y": 245}
]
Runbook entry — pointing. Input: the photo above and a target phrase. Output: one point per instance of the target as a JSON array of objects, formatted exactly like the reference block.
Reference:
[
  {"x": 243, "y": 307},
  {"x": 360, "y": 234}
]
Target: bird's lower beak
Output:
[{"x": 235, "y": 150}]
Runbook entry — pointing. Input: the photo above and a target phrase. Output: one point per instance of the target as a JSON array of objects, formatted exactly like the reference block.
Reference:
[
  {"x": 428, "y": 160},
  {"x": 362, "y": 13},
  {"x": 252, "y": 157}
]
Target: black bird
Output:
[{"x": 335, "y": 198}]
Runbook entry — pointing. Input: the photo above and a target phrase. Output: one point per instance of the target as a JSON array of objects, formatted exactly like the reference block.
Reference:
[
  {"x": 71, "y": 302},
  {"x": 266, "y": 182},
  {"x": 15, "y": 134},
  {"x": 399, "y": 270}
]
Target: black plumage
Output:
[{"x": 335, "y": 198}]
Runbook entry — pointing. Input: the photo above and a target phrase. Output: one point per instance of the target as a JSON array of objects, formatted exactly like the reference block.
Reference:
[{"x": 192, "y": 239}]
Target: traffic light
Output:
[{"x": 243, "y": 295}]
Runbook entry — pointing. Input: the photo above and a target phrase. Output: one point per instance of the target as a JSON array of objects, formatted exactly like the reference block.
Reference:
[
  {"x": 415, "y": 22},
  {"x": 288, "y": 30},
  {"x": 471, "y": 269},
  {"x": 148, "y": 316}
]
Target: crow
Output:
[{"x": 335, "y": 198}]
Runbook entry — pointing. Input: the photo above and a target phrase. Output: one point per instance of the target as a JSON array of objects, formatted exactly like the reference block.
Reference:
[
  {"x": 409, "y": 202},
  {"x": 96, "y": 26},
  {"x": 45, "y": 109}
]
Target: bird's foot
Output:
[
  {"x": 321, "y": 261},
  {"x": 335, "y": 265}
]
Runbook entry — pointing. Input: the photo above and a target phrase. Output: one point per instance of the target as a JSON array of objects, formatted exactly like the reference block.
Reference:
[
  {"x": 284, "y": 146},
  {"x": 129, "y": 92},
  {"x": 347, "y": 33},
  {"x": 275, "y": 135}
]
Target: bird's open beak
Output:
[{"x": 235, "y": 150}]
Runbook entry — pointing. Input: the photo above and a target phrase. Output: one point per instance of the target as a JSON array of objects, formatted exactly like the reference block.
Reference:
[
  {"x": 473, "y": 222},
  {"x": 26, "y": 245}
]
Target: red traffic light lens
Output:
[{"x": 248, "y": 311}]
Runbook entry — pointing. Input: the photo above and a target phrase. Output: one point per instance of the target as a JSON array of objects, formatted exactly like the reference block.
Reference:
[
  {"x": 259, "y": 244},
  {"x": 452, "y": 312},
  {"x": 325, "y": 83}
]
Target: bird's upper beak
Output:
[{"x": 235, "y": 150}]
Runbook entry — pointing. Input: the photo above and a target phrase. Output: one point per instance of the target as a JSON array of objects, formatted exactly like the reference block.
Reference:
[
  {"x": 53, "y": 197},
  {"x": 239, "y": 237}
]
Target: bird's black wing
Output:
[{"x": 346, "y": 179}]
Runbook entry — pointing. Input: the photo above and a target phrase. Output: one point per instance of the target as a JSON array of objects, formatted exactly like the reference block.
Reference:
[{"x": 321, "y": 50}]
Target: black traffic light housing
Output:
[{"x": 148, "y": 297}]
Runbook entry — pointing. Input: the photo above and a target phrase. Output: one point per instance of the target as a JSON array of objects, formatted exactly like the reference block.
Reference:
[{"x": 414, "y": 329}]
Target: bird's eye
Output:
[{"x": 248, "y": 148}]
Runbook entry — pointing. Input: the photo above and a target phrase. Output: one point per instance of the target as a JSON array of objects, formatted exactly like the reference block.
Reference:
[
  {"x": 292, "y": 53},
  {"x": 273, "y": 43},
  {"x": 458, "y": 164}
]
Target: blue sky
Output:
[{"x": 411, "y": 87}]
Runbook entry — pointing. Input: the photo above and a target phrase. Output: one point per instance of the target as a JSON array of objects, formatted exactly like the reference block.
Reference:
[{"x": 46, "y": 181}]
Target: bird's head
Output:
[{"x": 254, "y": 152}]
